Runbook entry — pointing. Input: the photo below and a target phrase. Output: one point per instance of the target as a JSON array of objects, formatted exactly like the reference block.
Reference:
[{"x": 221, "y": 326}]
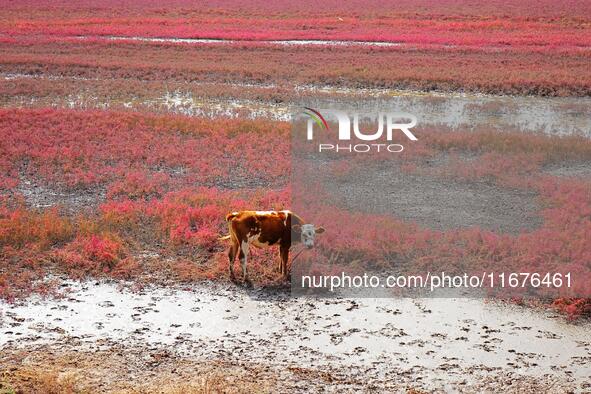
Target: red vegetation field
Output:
[
  {"x": 539, "y": 72},
  {"x": 139, "y": 155},
  {"x": 503, "y": 47},
  {"x": 498, "y": 23},
  {"x": 160, "y": 185},
  {"x": 508, "y": 160},
  {"x": 148, "y": 178},
  {"x": 114, "y": 188}
]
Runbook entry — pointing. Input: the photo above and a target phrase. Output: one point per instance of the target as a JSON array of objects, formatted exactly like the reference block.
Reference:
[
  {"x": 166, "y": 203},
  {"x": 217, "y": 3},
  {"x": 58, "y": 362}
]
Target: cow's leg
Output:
[
  {"x": 284, "y": 254},
  {"x": 232, "y": 256},
  {"x": 243, "y": 256},
  {"x": 279, "y": 262}
]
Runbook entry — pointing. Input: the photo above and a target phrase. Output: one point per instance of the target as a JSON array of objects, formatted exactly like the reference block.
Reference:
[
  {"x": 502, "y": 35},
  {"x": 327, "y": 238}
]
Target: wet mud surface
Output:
[
  {"x": 552, "y": 116},
  {"x": 432, "y": 344}
]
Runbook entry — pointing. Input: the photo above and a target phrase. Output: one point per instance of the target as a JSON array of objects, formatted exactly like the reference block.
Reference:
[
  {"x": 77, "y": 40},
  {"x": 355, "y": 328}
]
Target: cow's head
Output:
[{"x": 308, "y": 233}]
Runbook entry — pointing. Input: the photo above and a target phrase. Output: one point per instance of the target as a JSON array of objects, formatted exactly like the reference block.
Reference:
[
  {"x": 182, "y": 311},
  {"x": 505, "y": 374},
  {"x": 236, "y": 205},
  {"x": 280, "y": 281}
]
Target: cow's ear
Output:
[
  {"x": 297, "y": 228},
  {"x": 319, "y": 230}
]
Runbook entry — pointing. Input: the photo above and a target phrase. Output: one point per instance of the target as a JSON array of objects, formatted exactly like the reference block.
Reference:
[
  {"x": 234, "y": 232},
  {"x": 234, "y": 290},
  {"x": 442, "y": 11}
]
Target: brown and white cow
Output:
[{"x": 263, "y": 229}]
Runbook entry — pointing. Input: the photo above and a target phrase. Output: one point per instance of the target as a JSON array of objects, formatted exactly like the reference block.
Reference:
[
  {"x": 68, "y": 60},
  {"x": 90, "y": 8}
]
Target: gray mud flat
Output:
[
  {"x": 38, "y": 195},
  {"x": 571, "y": 170},
  {"x": 441, "y": 344},
  {"x": 436, "y": 203}
]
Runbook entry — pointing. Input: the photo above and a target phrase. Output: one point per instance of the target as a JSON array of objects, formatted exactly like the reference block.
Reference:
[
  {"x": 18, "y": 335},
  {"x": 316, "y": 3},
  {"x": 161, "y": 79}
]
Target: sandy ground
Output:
[{"x": 466, "y": 345}]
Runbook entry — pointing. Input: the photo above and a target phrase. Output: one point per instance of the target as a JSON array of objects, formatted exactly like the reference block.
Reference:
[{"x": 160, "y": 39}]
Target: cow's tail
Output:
[{"x": 231, "y": 216}]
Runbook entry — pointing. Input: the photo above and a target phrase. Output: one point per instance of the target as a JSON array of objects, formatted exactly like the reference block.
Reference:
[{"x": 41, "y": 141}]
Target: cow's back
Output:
[{"x": 265, "y": 228}]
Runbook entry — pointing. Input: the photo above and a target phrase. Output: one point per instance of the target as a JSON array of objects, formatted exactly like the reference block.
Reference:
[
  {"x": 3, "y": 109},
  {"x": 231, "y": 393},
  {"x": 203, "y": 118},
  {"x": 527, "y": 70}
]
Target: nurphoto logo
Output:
[{"x": 375, "y": 140}]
